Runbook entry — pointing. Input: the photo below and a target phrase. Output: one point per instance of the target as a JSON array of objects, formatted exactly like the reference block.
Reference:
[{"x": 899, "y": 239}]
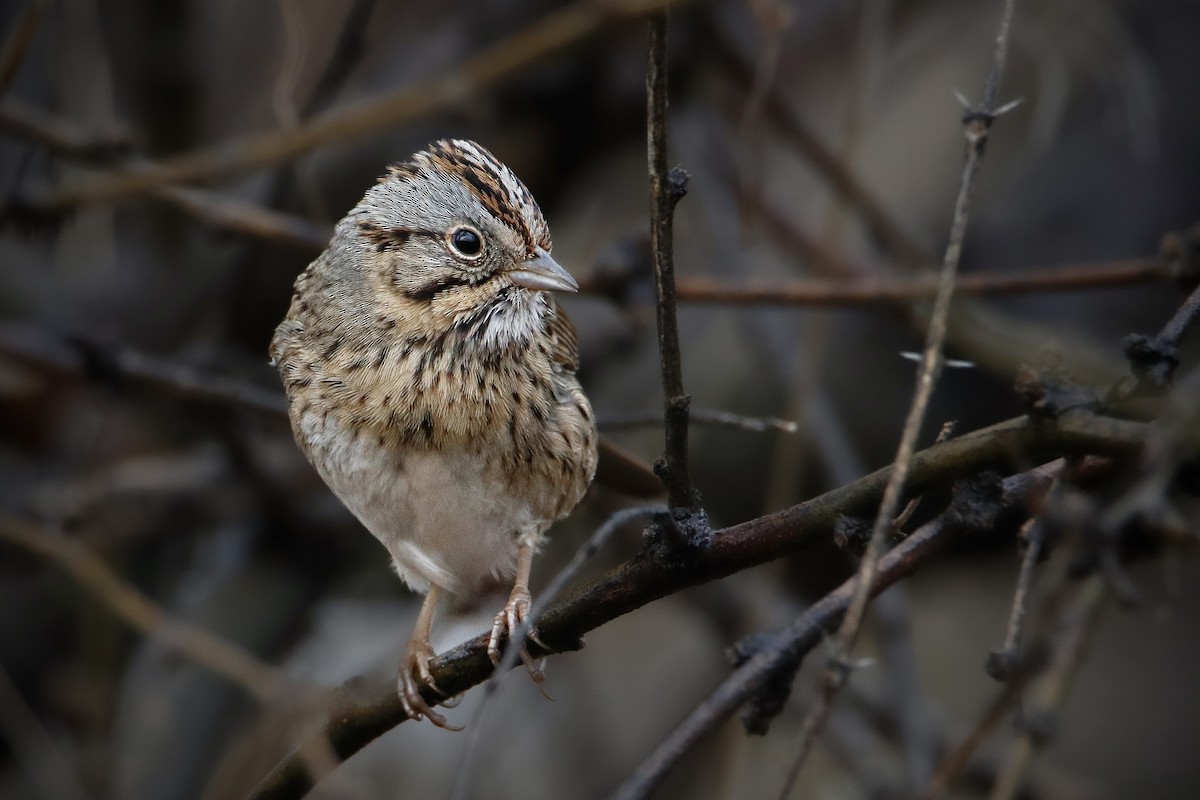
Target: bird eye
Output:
[{"x": 466, "y": 242}]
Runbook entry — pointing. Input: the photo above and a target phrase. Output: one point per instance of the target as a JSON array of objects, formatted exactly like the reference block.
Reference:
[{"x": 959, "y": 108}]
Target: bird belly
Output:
[{"x": 446, "y": 517}]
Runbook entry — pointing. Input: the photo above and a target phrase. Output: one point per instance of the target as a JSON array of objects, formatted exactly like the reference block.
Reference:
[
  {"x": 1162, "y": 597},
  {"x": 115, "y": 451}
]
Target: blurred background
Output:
[{"x": 138, "y": 414}]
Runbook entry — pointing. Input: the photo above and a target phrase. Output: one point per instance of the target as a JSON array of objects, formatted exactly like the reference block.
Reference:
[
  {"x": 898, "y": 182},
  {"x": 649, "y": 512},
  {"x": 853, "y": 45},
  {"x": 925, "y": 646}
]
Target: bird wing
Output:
[{"x": 564, "y": 344}]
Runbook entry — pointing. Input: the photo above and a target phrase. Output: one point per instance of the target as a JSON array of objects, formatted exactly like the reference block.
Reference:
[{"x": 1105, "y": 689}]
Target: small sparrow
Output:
[{"x": 431, "y": 382}]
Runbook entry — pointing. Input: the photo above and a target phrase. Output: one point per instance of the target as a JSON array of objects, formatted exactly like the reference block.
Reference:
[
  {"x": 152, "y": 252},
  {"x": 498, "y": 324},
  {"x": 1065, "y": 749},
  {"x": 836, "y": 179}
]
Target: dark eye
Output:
[{"x": 466, "y": 242}]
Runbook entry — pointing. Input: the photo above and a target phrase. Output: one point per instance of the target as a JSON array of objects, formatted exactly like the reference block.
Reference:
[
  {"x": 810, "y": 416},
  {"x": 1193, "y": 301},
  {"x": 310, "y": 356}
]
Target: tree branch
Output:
[
  {"x": 659, "y": 570},
  {"x": 551, "y": 34},
  {"x": 666, "y": 189},
  {"x": 142, "y": 614},
  {"x": 785, "y": 649}
]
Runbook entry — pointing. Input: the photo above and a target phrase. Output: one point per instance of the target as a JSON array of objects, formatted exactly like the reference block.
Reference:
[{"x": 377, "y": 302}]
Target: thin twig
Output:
[
  {"x": 1000, "y": 662},
  {"x": 142, "y": 614},
  {"x": 16, "y": 44},
  {"x": 994, "y": 713},
  {"x": 553, "y": 33},
  {"x": 62, "y": 136},
  {"x": 1183, "y": 319},
  {"x": 77, "y": 359},
  {"x": 222, "y": 212},
  {"x": 890, "y": 291},
  {"x": 789, "y": 646},
  {"x": 646, "y": 578},
  {"x": 517, "y": 640},
  {"x": 1052, "y": 690},
  {"x": 701, "y": 416},
  {"x": 666, "y": 189},
  {"x": 976, "y": 126}
]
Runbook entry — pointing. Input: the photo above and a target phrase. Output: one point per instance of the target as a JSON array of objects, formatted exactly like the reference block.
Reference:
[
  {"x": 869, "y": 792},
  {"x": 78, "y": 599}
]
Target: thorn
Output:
[
  {"x": 1007, "y": 107},
  {"x": 954, "y": 363}
]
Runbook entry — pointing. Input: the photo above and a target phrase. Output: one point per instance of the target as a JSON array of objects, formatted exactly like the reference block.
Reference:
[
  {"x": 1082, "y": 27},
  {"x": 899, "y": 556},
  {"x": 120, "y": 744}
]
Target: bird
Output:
[{"x": 431, "y": 382}]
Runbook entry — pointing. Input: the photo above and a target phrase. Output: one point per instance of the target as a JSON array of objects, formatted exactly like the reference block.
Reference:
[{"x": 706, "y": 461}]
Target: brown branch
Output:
[
  {"x": 1053, "y": 687},
  {"x": 701, "y": 416},
  {"x": 542, "y": 39},
  {"x": 512, "y": 652},
  {"x": 16, "y": 44},
  {"x": 1001, "y": 662},
  {"x": 222, "y": 212},
  {"x": 658, "y": 571},
  {"x": 787, "y": 647},
  {"x": 61, "y": 136},
  {"x": 142, "y": 614},
  {"x": 890, "y": 291},
  {"x": 78, "y": 360},
  {"x": 666, "y": 189}
]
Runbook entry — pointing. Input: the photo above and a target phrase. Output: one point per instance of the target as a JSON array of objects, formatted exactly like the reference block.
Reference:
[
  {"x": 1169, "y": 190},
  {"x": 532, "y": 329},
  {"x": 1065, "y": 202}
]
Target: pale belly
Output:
[{"x": 446, "y": 518}]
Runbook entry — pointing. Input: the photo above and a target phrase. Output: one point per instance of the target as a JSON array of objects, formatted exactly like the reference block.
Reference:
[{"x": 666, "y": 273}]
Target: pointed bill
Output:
[{"x": 542, "y": 273}]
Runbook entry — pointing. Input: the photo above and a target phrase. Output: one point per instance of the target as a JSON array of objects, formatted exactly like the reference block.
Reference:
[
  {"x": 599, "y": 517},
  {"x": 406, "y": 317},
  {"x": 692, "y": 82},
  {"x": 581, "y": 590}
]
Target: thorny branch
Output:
[
  {"x": 666, "y": 189},
  {"x": 659, "y": 570},
  {"x": 977, "y": 124},
  {"x": 781, "y": 654}
]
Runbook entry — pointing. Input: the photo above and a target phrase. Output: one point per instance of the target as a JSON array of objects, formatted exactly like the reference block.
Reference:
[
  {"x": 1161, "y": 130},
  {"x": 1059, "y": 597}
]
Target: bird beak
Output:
[{"x": 543, "y": 274}]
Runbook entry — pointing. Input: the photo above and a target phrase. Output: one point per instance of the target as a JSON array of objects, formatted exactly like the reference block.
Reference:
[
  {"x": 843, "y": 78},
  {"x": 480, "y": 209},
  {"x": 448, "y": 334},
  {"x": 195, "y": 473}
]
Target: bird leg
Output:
[
  {"x": 414, "y": 670},
  {"x": 515, "y": 612}
]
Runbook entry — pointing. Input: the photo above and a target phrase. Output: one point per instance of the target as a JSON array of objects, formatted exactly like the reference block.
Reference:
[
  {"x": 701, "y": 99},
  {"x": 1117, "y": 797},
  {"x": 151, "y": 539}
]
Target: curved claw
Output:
[
  {"x": 505, "y": 623},
  {"x": 415, "y": 673},
  {"x": 508, "y": 620}
]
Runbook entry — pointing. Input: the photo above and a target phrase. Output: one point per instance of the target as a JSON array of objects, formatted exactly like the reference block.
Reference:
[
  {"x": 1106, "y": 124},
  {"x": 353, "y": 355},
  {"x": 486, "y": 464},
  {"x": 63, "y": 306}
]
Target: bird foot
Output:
[
  {"x": 414, "y": 673},
  {"x": 506, "y": 624}
]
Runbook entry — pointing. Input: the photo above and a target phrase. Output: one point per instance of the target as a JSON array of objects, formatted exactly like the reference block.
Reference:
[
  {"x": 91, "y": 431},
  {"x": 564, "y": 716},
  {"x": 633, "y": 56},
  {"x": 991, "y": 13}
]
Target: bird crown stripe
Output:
[{"x": 493, "y": 184}]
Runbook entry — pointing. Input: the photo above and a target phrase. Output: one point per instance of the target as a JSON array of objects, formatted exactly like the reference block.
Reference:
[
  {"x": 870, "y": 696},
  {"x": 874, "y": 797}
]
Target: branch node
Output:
[
  {"x": 1180, "y": 251},
  {"x": 1152, "y": 358},
  {"x": 1001, "y": 664},
  {"x": 677, "y": 185},
  {"x": 852, "y": 532},
  {"x": 680, "y": 534},
  {"x": 772, "y": 695},
  {"x": 977, "y": 502},
  {"x": 1049, "y": 397}
]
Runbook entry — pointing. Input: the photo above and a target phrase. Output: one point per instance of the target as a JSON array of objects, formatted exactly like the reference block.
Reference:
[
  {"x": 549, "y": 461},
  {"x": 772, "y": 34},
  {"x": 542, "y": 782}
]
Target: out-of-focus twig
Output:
[
  {"x": 545, "y": 37},
  {"x": 1053, "y": 686},
  {"x": 77, "y": 359},
  {"x": 61, "y": 136},
  {"x": 218, "y": 211},
  {"x": 890, "y": 291},
  {"x": 142, "y": 614},
  {"x": 879, "y": 223},
  {"x": 16, "y": 44}
]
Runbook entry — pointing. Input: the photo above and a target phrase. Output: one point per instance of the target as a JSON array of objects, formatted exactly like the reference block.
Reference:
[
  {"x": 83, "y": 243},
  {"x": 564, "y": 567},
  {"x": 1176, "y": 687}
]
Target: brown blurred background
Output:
[{"x": 209, "y": 509}]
